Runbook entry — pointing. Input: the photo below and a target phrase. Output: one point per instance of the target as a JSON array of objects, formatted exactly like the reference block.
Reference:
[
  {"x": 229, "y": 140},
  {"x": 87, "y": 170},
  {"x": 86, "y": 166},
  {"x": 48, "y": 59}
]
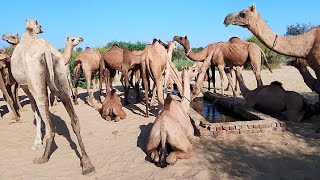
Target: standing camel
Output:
[
  {"x": 4, "y": 59},
  {"x": 172, "y": 128},
  {"x": 273, "y": 99},
  {"x": 44, "y": 67},
  {"x": 71, "y": 43},
  {"x": 120, "y": 59},
  {"x": 235, "y": 52},
  {"x": 88, "y": 62},
  {"x": 306, "y": 46},
  {"x": 11, "y": 84}
]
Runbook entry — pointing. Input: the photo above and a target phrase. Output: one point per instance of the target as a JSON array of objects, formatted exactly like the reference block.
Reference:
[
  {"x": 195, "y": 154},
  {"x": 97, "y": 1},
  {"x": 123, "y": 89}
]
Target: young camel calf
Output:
[
  {"x": 172, "y": 127},
  {"x": 112, "y": 107}
]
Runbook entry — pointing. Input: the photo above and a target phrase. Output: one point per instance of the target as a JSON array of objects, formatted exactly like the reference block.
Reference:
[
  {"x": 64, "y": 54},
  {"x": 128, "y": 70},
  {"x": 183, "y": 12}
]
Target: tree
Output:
[{"x": 298, "y": 28}]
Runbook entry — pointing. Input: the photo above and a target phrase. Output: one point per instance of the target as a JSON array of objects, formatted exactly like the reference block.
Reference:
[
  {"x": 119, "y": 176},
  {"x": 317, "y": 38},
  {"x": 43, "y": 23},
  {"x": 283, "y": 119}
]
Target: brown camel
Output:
[
  {"x": 306, "y": 46},
  {"x": 44, "y": 67},
  {"x": 120, "y": 59},
  {"x": 11, "y": 84},
  {"x": 156, "y": 63},
  {"x": 112, "y": 107},
  {"x": 273, "y": 99},
  {"x": 172, "y": 127},
  {"x": 71, "y": 43},
  {"x": 4, "y": 60},
  {"x": 235, "y": 52},
  {"x": 88, "y": 62}
]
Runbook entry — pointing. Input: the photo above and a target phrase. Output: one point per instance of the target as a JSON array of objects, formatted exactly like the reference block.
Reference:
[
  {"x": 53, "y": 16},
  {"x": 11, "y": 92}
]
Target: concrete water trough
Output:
[{"x": 250, "y": 121}]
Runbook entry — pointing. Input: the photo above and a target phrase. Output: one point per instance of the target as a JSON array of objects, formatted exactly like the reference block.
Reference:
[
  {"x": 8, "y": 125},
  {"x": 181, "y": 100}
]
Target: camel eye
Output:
[{"x": 242, "y": 15}]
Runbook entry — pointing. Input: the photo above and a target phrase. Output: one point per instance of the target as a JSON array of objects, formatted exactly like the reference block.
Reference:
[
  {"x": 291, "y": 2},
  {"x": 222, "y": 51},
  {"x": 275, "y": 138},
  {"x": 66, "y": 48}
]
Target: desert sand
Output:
[{"x": 117, "y": 148}]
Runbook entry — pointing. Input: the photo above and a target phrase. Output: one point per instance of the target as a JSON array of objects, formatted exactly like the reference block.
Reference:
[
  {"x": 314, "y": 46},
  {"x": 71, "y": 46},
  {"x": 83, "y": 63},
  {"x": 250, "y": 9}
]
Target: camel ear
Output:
[
  {"x": 17, "y": 34},
  {"x": 186, "y": 37},
  {"x": 36, "y": 21},
  {"x": 67, "y": 38},
  {"x": 253, "y": 7}
]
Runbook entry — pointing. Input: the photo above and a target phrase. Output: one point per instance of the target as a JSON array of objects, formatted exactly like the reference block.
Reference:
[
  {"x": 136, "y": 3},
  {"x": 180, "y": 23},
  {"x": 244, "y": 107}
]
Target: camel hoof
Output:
[
  {"x": 37, "y": 147},
  {"x": 162, "y": 164},
  {"x": 87, "y": 167},
  {"x": 108, "y": 118},
  {"x": 40, "y": 160},
  {"x": 22, "y": 109},
  {"x": 75, "y": 103}
]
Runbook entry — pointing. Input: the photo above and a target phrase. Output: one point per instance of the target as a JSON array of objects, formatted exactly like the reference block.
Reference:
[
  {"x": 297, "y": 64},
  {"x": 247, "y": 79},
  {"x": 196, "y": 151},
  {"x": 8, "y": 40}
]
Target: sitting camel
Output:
[
  {"x": 273, "y": 99},
  {"x": 112, "y": 107},
  {"x": 120, "y": 59},
  {"x": 4, "y": 60},
  {"x": 235, "y": 52},
  {"x": 11, "y": 84},
  {"x": 172, "y": 127},
  {"x": 44, "y": 67},
  {"x": 71, "y": 43},
  {"x": 88, "y": 62}
]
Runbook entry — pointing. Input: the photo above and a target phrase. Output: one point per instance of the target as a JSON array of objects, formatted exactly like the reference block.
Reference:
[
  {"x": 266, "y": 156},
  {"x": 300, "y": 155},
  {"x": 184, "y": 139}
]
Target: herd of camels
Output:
[{"x": 35, "y": 65}]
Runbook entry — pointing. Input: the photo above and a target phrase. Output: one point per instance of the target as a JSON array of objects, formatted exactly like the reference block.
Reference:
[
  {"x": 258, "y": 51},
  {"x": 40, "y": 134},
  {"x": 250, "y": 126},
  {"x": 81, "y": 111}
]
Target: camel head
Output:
[
  {"x": 242, "y": 18},
  {"x": 34, "y": 26},
  {"x": 172, "y": 46},
  {"x": 12, "y": 39},
  {"x": 299, "y": 63},
  {"x": 74, "y": 41},
  {"x": 182, "y": 40},
  {"x": 4, "y": 56}
]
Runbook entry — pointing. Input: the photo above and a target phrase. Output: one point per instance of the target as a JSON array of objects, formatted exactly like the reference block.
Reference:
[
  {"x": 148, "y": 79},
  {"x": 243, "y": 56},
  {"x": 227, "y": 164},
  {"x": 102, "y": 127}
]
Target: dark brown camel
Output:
[{"x": 120, "y": 59}]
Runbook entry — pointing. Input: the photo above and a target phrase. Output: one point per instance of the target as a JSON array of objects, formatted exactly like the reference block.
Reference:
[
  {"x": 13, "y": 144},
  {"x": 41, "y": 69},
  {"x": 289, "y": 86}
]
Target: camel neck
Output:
[
  {"x": 186, "y": 93},
  {"x": 28, "y": 35},
  {"x": 311, "y": 82},
  {"x": 297, "y": 46},
  {"x": 67, "y": 52}
]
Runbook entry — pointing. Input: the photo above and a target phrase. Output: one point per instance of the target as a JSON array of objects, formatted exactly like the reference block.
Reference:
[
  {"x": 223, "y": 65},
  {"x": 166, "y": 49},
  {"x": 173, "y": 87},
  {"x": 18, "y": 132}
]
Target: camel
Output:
[
  {"x": 44, "y": 67},
  {"x": 11, "y": 83},
  {"x": 274, "y": 99},
  {"x": 156, "y": 63},
  {"x": 120, "y": 59},
  {"x": 172, "y": 127},
  {"x": 235, "y": 52},
  {"x": 112, "y": 107},
  {"x": 71, "y": 43},
  {"x": 88, "y": 62},
  {"x": 306, "y": 46},
  {"x": 310, "y": 81},
  {"x": 4, "y": 60}
]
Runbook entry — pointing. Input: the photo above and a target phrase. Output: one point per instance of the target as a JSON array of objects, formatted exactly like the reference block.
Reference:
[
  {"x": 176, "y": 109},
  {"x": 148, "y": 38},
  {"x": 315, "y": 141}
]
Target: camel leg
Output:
[
  {"x": 90, "y": 94},
  {"x": 153, "y": 98},
  {"x": 137, "y": 83},
  {"x": 182, "y": 150},
  {"x": 213, "y": 78},
  {"x": 146, "y": 87},
  {"x": 119, "y": 113},
  {"x": 38, "y": 141},
  {"x": 208, "y": 78},
  {"x": 153, "y": 143},
  {"x": 159, "y": 92},
  {"x": 9, "y": 101},
  {"x": 76, "y": 75},
  {"x": 230, "y": 84},
  {"x": 87, "y": 167},
  {"x": 126, "y": 88},
  {"x": 221, "y": 71},
  {"x": 16, "y": 96}
]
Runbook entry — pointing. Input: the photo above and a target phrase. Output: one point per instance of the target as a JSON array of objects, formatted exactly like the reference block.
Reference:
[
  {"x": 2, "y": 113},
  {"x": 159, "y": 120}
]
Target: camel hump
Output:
[
  {"x": 154, "y": 40},
  {"x": 115, "y": 45},
  {"x": 167, "y": 102},
  {"x": 276, "y": 83},
  {"x": 87, "y": 48},
  {"x": 113, "y": 91}
]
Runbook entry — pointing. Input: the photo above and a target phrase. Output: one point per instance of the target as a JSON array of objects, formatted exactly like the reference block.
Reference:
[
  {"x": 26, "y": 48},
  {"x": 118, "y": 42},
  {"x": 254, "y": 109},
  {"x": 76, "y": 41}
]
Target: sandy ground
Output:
[{"x": 117, "y": 148}]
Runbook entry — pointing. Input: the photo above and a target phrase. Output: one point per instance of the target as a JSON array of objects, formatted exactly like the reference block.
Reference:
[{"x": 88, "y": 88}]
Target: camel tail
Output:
[
  {"x": 48, "y": 60},
  {"x": 264, "y": 57}
]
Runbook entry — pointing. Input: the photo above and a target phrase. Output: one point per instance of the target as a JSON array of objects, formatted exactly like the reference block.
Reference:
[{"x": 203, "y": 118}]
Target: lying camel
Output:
[
  {"x": 120, "y": 59},
  {"x": 235, "y": 52},
  {"x": 112, "y": 107},
  {"x": 88, "y": 62},
  {"x": 4, "y": 60},
  {"x": 44, "y": 67},
  {"x": 273, "y": 99},
  {"x": 172, "y": 127},
  {"x": 11, "y": 84}
]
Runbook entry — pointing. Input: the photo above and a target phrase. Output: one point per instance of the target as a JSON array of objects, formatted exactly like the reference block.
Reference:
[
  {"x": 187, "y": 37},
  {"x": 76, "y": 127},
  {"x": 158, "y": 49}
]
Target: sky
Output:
[{"x": 102, "y": 21}]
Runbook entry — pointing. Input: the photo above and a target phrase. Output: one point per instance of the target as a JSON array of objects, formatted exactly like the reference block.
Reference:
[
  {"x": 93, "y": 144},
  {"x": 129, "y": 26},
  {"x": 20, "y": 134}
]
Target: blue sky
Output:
[{"x": 100, "y": 22}]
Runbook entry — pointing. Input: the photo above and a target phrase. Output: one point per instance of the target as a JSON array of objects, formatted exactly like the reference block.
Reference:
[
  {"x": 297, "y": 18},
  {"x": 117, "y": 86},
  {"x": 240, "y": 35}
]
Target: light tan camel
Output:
[
  {"x": 155, "y": 60},
  {"x": 120, "y": 59},
  {"x": 88, "y": 62},
  {"x": 43, "y": 66},
  {"x": 4, "y": 60},
  {"x": 11, "y": 83},
  {"x": 172, "y": 127},
  {"x": 71, "y": 43},
  {"x": 235, "y": 52},
  {"x": 112, "y": 107},
  {"x": 311, "y": 82},
  {"x": 273, "y": 99},
  {"x": 306, "y": 46}
]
